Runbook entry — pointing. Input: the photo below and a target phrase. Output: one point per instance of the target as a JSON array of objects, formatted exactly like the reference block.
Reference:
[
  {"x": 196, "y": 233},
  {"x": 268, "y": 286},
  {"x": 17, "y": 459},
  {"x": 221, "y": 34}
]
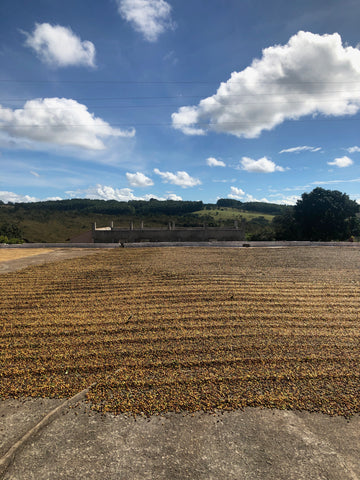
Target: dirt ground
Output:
[{"x": 14, "y": 259}]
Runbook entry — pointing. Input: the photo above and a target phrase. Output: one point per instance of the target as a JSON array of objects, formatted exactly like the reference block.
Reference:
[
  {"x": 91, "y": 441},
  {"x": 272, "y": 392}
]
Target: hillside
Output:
[{"x": 59, "y": 221}]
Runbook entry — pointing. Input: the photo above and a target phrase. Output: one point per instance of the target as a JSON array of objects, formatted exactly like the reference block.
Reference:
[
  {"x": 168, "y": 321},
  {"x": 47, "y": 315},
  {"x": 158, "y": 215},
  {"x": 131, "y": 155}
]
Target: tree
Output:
[
  {"x": 10, "y": 230},
  {"x": 285, "y": 225},
  {"x": 326, "y": 215}
]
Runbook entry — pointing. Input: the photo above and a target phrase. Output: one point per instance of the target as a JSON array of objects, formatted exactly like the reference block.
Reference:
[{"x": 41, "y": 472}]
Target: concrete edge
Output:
[
  {"x": 187, "y": 244},
  {"x": 8, "y": 458},
  {"x": 61, "y": 245},
  {"x": 242, "y": 244}
]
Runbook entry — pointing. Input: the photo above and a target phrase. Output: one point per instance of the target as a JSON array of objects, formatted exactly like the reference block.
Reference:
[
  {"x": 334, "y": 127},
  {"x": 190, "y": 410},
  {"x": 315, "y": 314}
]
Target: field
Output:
[
  {"x": 186, "y": 329},
  {"x": 225, "y": 213}
]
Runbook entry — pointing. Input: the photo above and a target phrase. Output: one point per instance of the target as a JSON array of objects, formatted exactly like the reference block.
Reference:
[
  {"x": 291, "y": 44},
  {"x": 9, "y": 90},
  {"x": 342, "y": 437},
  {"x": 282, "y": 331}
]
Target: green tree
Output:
[
  {"x": 326, "y": 215},
  {"x": 10, "y": 230},
  {"x": 285, "y": 226}
]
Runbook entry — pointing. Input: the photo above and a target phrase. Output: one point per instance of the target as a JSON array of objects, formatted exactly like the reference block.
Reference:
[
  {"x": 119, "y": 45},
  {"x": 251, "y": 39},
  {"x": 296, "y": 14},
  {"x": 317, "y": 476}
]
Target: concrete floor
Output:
[{"x": 250, "y": 444}]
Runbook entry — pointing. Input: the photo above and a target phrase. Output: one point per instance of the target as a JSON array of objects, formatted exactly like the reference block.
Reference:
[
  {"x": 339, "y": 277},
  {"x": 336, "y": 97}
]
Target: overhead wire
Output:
[
  {"x": 221, "y": 101},
  {"x": 181, "y": 96},
  {"x": 175, "y": 82},
  {"x": 163, "y": 124},
  {"x": 227, "y": 104}
]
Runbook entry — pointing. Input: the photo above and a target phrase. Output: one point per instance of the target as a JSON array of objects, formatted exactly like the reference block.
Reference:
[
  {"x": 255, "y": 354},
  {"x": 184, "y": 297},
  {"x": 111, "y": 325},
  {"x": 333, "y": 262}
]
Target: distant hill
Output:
[{"x": 62, "y": 220}]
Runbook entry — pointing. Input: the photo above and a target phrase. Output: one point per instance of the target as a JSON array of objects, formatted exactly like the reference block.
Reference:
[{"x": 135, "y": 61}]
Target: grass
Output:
[
  {"x": 187, "y": 329},
  {"x": 224, "y": 214},
  {"x": 61, "y": 226}
]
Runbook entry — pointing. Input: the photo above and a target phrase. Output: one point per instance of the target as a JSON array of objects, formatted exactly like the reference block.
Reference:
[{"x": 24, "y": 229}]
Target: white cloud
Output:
[
  {"x": 229, "y": 180},
  {"x": 332, "y": 182},
  {"x": 99, "y": 192},
  {"x": 213, "y": 162},
  {"x": 341, "y": 162},
  {"x": 104, "y": 192},
  {"x": 138, "y": 179},
  {"x": 34, "y": 173},
  {"x": 171, "y": 57},
  {"x": 236, "y": 193},
  {"x": 173, "y": 196},
  {"x": 282, "y": 199},
  {"x": 263, "y": 165},
  {"x": 303, "y": 148},
  {"x": 149, "y": 17},
  {"x": 239, "y": 194},
  {"x": 59, "y": 121},
  {"x": 353, "y": 149},
  {"x": 183, "y": 179},
  {"x": 312, "y": 74},
  {"x": 250, "y": 198},
  {"x": 59, "y": 46},
  {"x": 185, "y": 119},
  {"x": 16, "y": 198}
]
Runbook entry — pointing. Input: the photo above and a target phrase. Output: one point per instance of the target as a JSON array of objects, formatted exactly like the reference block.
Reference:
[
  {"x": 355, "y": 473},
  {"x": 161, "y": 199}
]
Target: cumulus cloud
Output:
[
  {"x": 303, "y": 148},
  {"x": 341, "y": 162},
  {"x": 239, "y": 194},
  {"x": 251, "y": 198},
  {"x": 213, "y": 162},
  {"x": 353, "y": 149},
  {"x": 58, "y": 121},
  {"x": 263, "y": 165},
  {"x": 173, "y": 196},
  {"x": 104, "y": 192},
  {"x": 138, "y": 179},
  {"x": 98, "y": 192},
  {"x": 182, "y": 179},
  {"x": 312, "y": 74},
  {"x": 149, "y": 17},
  {"x": 16, "y": 198},
  {"x": 282, "y": 199},
  {"x": 60, "y": 47},
  {"x": 236, "y": 193}
]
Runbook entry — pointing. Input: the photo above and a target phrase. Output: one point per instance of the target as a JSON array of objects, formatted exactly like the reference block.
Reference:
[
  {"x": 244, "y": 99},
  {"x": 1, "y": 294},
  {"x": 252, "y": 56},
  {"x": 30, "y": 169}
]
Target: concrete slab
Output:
[
  {"x": 250, "y": 444},
  {"x": 47, "y": 257}
]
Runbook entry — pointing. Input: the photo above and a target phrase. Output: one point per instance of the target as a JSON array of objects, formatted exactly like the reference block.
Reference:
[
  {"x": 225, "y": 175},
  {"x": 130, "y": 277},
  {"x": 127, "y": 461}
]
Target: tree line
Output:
[{"x": 321, "y": 215}]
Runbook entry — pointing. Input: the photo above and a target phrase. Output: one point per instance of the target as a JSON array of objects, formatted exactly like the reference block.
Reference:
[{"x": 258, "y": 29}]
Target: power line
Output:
[
  {"x": 156, "y": 124},
  {"x": 29, "y": 109},
  {"x": 177, "y": 82},
  {"x": 181, "y": 97}
]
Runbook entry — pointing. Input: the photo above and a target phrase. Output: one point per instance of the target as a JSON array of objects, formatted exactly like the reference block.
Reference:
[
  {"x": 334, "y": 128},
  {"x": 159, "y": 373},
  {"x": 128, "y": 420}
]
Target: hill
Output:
[{"x": 59, "y": 221}]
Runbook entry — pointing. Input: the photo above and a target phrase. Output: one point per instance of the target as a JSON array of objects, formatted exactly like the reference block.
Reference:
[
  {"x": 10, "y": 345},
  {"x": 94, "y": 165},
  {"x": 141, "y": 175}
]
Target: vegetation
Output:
[
  {"x": 59, "y": 221},
  {"x": 10, "y": 233},
  {"x": 319, "y": 215},
  {"x": 163, "y": 330},
  {"x": 261, "y": 207}
]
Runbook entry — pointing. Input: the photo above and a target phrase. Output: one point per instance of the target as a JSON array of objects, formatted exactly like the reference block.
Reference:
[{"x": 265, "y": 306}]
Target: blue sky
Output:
[{"x": 179, "y": 99}]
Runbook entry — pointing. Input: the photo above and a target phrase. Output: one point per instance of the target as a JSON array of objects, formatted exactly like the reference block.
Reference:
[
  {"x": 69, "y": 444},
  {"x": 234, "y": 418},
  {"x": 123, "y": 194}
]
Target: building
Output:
[{"x": 170, "y": 234}]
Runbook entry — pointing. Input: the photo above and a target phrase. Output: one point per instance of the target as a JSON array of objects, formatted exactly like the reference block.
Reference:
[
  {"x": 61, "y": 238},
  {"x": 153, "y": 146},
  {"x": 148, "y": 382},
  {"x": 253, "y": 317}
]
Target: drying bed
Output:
[{"x": 187, "y": 329}]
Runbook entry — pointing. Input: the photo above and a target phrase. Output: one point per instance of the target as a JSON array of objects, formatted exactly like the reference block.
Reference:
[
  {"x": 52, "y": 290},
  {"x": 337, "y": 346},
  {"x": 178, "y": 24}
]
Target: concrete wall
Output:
[
  {"x": 85, "y": 237},
  {"x": 115, "y": 235}
]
